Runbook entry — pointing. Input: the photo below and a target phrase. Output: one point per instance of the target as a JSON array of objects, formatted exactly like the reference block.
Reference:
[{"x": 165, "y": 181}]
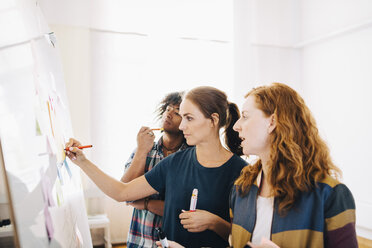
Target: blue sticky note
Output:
[
  {"x": 59, "y": 175},
  {"x": 67, "y": 168}
]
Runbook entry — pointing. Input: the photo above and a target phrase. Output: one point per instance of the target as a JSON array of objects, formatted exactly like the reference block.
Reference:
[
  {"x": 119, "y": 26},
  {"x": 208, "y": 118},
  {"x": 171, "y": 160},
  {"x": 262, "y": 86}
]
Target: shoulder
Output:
[
  {"x": 238, "y": 162},
  {"x": 337, "y": 196},
  {"x": 234, "y": 192},
  {"x": 339, "y": 214},
  {"x": 330, "y": 181},
  {"x": 240, "y": 202},
  {"x": 331, "y": 185},
  {"x": 238, "y": 192}
]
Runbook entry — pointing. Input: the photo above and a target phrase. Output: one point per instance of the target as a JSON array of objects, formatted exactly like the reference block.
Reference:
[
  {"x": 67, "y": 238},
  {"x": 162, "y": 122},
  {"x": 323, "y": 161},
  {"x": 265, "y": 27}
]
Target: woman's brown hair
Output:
[
  {"x": 299, "y": 157},
  {"x": 211, "y": 100}
]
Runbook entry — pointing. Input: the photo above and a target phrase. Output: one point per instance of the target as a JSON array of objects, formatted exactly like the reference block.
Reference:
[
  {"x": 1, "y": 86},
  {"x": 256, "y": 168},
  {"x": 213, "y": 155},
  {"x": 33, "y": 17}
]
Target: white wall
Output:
[
  {"x": 337, "y": 80},
  {"x": 264, "y": 34},
  {"x": 323, "y": 49}
]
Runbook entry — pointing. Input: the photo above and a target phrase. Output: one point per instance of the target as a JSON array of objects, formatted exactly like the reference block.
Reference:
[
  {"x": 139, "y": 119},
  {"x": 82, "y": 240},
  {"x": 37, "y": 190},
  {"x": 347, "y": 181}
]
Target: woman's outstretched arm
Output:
[{"x": 134, "y": 190}]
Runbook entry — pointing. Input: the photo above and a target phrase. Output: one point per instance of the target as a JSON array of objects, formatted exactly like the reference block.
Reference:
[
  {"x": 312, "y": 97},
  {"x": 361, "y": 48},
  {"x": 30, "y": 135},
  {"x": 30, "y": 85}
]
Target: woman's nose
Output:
[
  {"x": 182, "y": 126},
  {"x": 236, "y": 127}
]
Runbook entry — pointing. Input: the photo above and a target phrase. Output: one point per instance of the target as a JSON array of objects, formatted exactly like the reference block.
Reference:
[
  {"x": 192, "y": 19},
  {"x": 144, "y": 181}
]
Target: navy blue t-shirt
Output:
[{"x": 176, "y": 176}]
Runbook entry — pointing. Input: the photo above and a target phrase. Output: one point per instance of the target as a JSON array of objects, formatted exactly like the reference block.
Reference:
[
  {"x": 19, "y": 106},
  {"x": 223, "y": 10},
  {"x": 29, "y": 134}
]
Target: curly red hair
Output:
[{"x": 299, "y": 157}]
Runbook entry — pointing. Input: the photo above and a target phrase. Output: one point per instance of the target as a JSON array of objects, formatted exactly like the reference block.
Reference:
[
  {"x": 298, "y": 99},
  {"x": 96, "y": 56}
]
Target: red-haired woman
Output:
[{"x": 291, "y": 196}]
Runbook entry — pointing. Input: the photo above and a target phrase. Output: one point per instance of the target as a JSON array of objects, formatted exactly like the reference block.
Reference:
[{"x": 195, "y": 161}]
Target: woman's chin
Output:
[{"x": 189, "y": 142}]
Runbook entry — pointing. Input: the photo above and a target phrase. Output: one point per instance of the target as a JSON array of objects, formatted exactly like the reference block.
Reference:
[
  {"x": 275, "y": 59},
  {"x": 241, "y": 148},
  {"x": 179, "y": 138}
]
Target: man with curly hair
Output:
[{"x": 147, "y": 212}]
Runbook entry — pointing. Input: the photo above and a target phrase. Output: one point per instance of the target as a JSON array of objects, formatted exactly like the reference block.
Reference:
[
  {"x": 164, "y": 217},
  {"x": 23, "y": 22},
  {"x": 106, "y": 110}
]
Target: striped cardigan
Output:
[{"x": 323, "y": 217}]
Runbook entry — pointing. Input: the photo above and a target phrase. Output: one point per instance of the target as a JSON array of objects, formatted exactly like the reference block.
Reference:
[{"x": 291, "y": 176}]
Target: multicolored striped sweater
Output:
[{"x": 324, "y": 217}]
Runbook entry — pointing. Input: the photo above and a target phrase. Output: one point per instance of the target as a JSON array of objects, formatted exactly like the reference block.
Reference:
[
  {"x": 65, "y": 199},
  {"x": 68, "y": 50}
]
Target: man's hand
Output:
[{"x": 145, "y": 140}]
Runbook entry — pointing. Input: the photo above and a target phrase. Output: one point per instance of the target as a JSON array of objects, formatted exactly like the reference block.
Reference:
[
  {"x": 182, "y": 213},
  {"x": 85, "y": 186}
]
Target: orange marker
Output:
[
  {"x": 157, "y": 129},
  {"x": 82, "y": 147}
]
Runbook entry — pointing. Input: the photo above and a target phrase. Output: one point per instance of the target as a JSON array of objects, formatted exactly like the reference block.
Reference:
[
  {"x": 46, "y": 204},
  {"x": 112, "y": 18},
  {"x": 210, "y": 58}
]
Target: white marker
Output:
[{"x": 194, "y": 199}]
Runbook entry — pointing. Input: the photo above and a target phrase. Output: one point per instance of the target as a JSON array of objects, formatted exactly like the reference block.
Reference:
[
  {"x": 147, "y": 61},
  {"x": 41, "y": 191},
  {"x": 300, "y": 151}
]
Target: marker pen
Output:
[
  {"x": 157, "y": 129},
  {"x": 194, "y": 199},
  {"x": 82, "y": 147},
  {"x": 162, "y": 238}
]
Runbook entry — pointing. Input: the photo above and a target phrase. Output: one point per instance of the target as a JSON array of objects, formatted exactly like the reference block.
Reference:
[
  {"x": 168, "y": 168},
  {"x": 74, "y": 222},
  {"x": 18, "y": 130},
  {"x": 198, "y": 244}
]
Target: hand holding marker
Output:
[
  {"x": 162, "y": 238},
  {"x": 155, "y": 129},
  {"x": 68, "y": 151},
  {"x": 82, "y": 147}
]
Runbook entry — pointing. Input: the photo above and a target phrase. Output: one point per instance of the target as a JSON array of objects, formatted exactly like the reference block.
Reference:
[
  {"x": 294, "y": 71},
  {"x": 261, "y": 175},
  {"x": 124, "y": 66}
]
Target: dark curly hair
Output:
[{"x": 173, "y": 98}]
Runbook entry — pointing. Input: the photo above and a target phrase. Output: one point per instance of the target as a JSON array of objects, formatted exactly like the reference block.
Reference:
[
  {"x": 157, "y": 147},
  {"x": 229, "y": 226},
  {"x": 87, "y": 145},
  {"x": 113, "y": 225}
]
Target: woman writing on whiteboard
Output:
[{"x": 208, "y": 167}]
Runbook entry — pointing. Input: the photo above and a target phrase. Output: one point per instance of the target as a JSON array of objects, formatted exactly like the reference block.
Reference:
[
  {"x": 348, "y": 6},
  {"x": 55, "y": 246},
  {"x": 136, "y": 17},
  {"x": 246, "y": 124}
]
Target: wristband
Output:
[{"x": 146, "y": 203}]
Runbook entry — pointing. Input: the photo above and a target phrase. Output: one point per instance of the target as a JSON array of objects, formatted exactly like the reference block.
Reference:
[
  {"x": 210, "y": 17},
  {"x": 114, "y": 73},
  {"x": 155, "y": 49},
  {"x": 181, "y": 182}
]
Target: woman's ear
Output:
[
  {"x": 215, "y": 119},
  {"x": 272, "y": 123}
]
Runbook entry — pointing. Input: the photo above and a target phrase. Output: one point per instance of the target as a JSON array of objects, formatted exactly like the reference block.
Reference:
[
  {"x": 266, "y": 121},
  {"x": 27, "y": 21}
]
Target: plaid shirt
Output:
[{"x": 142, "y": 227}]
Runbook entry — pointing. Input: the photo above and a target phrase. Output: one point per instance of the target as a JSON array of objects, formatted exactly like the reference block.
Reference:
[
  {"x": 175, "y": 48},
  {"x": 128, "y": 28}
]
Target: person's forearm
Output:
[
  {"x": 221, "y": 227},
  {"x": 117, "y": 190},
  {"x": 156, "y": 207},
  {"x": 137, "y": 167},
  {"x": 107, "y": 184}
]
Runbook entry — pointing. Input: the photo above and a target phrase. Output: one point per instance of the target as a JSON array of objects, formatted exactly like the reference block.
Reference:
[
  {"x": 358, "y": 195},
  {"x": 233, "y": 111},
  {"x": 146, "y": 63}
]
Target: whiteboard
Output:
[{"x": 45, "y": 187}]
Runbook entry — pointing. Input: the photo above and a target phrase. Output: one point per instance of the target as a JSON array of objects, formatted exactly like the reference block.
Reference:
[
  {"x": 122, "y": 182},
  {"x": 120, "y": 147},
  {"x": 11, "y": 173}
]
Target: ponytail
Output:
[{"x": 232, "y": 139}]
